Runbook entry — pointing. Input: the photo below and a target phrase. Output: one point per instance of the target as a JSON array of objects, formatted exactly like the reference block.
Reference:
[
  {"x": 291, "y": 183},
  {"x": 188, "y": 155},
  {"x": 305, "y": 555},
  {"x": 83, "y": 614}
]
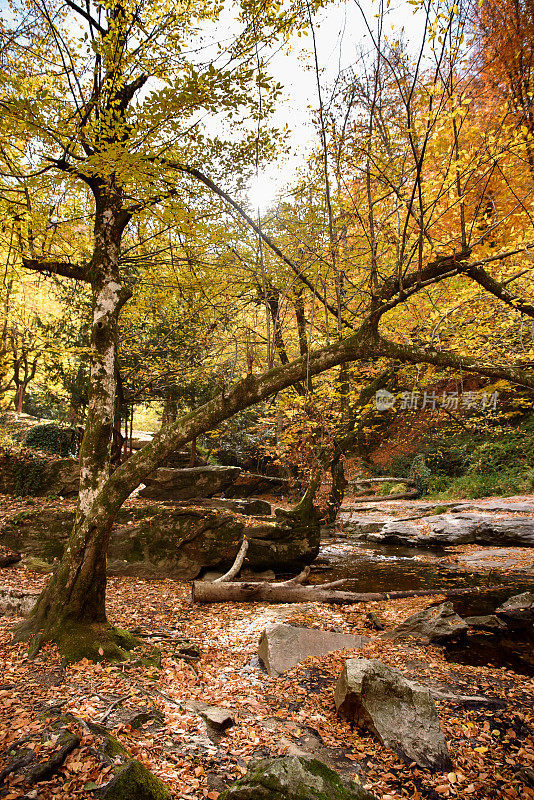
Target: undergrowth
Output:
[{"x": 471, "y": 464}]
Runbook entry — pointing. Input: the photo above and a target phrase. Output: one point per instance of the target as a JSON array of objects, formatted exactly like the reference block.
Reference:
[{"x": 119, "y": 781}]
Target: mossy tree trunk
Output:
[{"x": 75, "y": 597}]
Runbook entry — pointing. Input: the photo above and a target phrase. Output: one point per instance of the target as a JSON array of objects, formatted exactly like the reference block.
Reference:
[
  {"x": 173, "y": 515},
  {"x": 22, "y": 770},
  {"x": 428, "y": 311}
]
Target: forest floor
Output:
[{"x": 489, "y": 746}]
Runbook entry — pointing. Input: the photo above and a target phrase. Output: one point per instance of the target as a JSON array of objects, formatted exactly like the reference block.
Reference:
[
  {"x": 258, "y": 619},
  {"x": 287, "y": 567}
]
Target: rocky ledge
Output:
[
  {"x": 176, "y": 540},
  {"x": 448, "y": 529}
]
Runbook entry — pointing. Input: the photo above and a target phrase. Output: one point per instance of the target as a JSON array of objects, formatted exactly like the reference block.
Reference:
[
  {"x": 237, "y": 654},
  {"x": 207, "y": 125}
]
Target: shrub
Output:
[{"x": 53, "y": 438}]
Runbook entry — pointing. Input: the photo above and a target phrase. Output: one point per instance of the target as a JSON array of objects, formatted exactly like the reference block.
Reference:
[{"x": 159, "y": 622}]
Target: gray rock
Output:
[
  {"x": 455, "y": 529},
  {"x": 490, "y": 623},
  {"x": 218, "y": 718},
  {"x": 185, "y": 484},
  {"x": 435, "y": 624},
  {"x": 252, "y": 507},
  {"x": 401, "y": 713},
  {"x": 282, "y": 646},
  {"x": 249, "y": 484},
  {"x": 518, "y": 611},
  {"x": 293, "y": 778},
  {"x": 40, "y": 475},
  {"x": 14, "y": 601},
  {"x": 175, "y": 540}
]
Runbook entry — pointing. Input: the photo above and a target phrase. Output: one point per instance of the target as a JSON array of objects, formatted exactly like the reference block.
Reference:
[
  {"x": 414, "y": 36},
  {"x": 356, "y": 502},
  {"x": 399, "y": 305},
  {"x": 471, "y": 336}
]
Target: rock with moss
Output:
[
  {"x": 133, "y": 781},
  {"x": 293, "y": 778},
  {"x": 167, "y": 539},
  {"x": 26, "y": 473}
]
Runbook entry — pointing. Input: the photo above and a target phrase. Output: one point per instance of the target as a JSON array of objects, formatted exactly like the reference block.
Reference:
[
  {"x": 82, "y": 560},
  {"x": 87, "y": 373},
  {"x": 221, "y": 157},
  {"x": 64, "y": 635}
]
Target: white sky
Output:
[{"x": 340, "y": 30}]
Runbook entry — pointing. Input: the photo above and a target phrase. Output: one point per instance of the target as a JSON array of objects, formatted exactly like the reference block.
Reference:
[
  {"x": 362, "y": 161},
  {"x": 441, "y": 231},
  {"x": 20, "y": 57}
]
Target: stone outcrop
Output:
[
  {"x": 175, "y": 540},
  {"x": 185, "y": 484},
  {"x": 517, "y": 611},
  {"x": 24, "y": 472},
  {"x": 456, "y": 529},
  {"x": 401, "y": 713},
  {"x": 282, "y": 646},
  {"x": 489, "y": 623},
  {"x": 435, "y": 624},
  {"x": 249, "y": 484},
  {"x": 293, "y": 778}
]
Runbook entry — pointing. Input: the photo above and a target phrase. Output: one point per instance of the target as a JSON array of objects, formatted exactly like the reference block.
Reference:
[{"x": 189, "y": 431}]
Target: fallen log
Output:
[{"x": 293, "y": 592}]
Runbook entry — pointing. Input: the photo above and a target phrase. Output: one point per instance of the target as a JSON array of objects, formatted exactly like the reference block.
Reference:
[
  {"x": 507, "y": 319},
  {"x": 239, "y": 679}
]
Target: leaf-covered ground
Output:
[{"x": 489, "y": 748}]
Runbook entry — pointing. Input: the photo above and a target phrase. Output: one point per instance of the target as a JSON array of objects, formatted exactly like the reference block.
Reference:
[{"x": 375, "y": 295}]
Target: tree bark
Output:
[
  {"x": 75, "y": 596},
  {"x": 288, "y": 592}
]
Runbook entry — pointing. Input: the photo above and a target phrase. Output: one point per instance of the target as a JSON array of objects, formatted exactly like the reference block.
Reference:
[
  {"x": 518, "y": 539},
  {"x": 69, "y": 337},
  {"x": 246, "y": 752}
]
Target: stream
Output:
[{"x": 381, "y": 568}]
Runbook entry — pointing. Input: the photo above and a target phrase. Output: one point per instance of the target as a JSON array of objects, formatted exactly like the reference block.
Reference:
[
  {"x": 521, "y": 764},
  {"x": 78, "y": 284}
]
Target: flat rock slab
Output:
[
  {"x": 185, "y": 484},
  {"x": 401, "y": 713},
  {"x": 282, "y": 646},
  {"x": 455, "y": 529}
]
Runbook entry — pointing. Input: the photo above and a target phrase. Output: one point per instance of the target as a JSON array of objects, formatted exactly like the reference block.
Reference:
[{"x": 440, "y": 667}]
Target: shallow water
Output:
[{"x": 379, "y": 568}]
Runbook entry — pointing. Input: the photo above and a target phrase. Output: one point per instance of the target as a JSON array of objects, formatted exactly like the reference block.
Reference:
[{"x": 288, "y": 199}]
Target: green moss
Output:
[
  {"x": 293, "y": 778},
  {"x": 95, "y": 642},
  {"x": 134, "y": 782}
]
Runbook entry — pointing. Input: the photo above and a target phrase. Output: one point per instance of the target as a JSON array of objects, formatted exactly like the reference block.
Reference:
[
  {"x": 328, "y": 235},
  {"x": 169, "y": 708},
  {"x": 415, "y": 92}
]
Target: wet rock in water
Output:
[
  {"x": 401, "y": 713},
  {"x": 490, "y": 623},
  {"x": 435, "y": 624},
  {"x": 185, "y": 484},
  {"x": 517, "y": 611},
  {"x": 282, "y": 646},
  {"x": 478, "y": 529},
  {"x": 16, "y": 602},
  {"x": 293, "y": 778}
]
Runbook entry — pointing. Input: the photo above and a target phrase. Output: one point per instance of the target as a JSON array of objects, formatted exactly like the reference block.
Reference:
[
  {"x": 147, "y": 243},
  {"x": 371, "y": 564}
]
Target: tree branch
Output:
[{"x": 63, "y": 268}]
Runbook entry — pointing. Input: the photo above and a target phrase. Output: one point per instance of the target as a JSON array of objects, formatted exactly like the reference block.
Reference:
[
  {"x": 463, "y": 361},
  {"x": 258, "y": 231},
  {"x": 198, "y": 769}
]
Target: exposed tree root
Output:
[{"x": 75, "y": 640}]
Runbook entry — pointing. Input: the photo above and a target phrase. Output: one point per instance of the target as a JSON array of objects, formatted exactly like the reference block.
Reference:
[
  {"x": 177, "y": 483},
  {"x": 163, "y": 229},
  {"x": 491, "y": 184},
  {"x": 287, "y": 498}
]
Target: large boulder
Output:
[
  {"x": 401, "y": 713},
  {"x": 435, "y": 624},
  {"x": 455, "y": 529},
  {"x": 293, "y": 778},
  {"x": 249, "y": 484},
  {"x": 517, "y": 611},
  {"x": 282, "y": 646},
  {"x": 175, "y": 540},
  {"x": 24, "y": 472},
  {"x": 185, "y": 484}
]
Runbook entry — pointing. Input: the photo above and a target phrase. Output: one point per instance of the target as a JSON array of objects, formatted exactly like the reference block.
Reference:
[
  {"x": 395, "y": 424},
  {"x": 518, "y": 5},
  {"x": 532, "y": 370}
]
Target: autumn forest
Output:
[{"x": 267, "y": 454}]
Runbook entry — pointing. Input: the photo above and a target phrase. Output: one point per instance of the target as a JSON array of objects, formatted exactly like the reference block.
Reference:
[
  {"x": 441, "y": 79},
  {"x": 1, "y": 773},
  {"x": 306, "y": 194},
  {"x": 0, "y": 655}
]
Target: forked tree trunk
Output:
[{"x": 72, "y": 608}]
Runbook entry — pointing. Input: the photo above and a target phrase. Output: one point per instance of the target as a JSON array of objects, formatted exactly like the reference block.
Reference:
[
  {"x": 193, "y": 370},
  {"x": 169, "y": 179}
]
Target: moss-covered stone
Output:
[
  {"x": 134, "y": 782},
  {"x": 293, "y": 778},
  {"x": 165, "y": 539}
]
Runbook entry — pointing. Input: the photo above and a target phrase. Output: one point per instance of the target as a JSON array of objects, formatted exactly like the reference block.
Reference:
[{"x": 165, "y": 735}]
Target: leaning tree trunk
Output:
[{"x": 71, "y": 610}]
